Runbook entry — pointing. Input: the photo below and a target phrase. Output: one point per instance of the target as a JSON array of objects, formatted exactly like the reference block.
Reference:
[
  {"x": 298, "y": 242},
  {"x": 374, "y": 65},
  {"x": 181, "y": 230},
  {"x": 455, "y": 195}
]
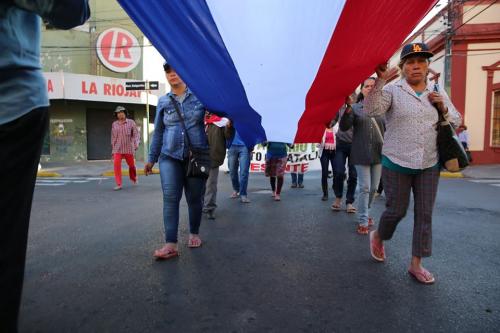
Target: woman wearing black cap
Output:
[{"x": 409, "y": 155}]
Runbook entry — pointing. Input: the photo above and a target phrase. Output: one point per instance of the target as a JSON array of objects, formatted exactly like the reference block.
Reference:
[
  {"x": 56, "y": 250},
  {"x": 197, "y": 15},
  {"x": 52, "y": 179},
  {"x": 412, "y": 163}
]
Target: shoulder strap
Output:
[
  {"x": 377, "y": 127},
  {"x": 176, "y": 106}
]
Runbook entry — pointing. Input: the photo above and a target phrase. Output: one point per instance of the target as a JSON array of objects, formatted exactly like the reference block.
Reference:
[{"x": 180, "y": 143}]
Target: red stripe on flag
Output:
[{"x": 368, "y": 33}]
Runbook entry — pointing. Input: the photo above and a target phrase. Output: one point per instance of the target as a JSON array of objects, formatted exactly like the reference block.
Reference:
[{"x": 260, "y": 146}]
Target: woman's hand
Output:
[
  {"x": 382, "y": 72},
  {"x": 437, "y": 100},
  {"x": 148, "y": 168}
]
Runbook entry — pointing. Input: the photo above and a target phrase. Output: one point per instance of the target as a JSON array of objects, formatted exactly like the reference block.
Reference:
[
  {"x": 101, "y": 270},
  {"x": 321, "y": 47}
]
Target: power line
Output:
[{"x": 461, "y": 25}]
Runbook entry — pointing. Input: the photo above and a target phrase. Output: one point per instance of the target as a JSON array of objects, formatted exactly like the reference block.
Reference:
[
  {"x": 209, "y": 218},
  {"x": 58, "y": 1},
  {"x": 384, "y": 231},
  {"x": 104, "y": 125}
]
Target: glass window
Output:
[{"x": 495, "y": 134}]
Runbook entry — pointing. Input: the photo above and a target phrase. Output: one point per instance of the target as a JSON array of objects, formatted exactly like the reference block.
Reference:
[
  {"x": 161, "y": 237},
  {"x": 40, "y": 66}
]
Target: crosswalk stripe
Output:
[
  {"x": 59, "y": 181},
  {"x": 485, "y": 180}
]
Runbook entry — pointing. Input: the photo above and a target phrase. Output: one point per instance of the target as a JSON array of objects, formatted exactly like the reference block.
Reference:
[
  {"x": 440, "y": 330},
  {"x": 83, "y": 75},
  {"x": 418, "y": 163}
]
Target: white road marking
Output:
[{"x": 59, "y": 181}]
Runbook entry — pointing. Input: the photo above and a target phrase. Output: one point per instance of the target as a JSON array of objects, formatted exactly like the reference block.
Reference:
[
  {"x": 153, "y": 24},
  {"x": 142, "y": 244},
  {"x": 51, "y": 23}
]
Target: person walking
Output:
[
  {"x": 276, "y": 158},
  {"x": 366, "y": 152},
  {"x": 124, "y": 142},
  {"x": 217, "y": 134},
  {"x": 327, "y": 156},
  {"x": 409, "y": 155},
  {"x": 179, "y": 124},
  {"x": 463, "y": 136},
  {"x": 239, "y": 156},
  {"x": 342, "y": 155},
  {"x": 23, "y": 122},
  {"x": 297, "y": 178}
]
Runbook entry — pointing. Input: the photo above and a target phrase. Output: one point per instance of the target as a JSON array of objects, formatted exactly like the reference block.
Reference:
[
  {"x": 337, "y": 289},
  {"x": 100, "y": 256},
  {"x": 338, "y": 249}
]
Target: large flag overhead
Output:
[{"x": 277, "y": 68}]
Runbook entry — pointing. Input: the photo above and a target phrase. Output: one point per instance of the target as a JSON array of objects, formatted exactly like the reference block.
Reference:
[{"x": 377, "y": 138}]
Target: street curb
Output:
[
  {"x": 140, "y": 172},
  {"x": 446, "y": 174},
  {"x": 42, "y": 173}
]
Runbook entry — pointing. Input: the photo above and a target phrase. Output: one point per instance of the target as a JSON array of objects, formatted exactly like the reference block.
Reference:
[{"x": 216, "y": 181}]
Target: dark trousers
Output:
[
  {"x": 397, "y": 187},
  {"x": 327, "y": 158},
  {"x": 342, "y": 154},
  {"x": 20, "y": 148}
]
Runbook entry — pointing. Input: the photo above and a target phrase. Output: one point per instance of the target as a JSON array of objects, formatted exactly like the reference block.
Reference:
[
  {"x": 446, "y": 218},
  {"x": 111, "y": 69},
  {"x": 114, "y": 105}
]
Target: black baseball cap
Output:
[
  {"x": 416, "y": 49},
  {"x": 166, "y": 66}
]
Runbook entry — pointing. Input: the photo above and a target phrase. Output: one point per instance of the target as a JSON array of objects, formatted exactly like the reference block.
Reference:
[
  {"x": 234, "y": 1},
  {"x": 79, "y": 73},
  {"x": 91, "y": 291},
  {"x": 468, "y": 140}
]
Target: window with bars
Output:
[{"x": 495, "y": 134}]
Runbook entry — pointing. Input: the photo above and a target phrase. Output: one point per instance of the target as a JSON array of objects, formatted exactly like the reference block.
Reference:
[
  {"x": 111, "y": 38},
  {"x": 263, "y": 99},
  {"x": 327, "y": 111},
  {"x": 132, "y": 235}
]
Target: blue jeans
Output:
[
  {"x": 239, "y": 156},
  {"x": 342, "y": 153},
  {"x": 369, "y": 178},
  {"x": 297, "y": 176},
  {"x": 173, "y": 181}
]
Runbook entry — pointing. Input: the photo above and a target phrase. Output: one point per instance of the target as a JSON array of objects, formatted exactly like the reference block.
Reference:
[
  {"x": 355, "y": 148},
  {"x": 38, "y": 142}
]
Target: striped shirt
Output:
[
  {"x": 124, "y": 137},
  {"x": 410, "y": 137}
]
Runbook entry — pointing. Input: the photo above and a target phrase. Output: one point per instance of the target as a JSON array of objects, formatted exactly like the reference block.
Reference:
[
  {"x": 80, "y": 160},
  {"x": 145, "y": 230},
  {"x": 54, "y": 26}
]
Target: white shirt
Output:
[{"x": 410, "y": 136}]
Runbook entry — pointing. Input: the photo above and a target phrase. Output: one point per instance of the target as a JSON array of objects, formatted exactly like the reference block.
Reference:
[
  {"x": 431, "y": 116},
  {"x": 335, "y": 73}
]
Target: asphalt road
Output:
[{"x": 289, "y": 266}]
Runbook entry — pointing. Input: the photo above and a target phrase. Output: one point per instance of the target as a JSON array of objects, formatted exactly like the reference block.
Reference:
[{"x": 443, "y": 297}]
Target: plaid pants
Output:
[{"x": 397, "y": 187}]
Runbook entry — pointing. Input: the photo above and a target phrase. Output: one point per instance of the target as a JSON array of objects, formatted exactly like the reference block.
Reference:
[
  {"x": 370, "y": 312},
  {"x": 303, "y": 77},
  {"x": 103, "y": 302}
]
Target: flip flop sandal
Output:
[
  {"x": 423, "y": 276},
  {"x": 336, "y": 208},
  {"x": 194, "y": 243},
  {"x": 377, "y": 253},
  {"x": 351, "y": 210},
  {"x": 162, "y": 254}
]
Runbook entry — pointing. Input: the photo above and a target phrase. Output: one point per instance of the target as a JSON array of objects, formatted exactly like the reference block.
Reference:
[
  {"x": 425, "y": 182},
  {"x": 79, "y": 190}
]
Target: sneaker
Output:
[
  {"x": 244, "y": 199},
  {"x": 362, "y": 230},
  {"x": 117, "y": 188},
  {"x": 294, "y": 185}
]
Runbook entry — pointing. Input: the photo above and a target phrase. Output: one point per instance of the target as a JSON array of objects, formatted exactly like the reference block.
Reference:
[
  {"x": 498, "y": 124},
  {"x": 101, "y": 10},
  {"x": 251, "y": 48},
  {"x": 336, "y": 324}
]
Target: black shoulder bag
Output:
[
  {"x": 199, "y": 158},
  {"x": 452, "y": 155}
]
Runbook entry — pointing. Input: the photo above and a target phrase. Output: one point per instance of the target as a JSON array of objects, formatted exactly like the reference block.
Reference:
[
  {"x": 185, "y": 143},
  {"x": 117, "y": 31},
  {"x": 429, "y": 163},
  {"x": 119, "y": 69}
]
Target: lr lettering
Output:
[{"x": 92, "y": 90}]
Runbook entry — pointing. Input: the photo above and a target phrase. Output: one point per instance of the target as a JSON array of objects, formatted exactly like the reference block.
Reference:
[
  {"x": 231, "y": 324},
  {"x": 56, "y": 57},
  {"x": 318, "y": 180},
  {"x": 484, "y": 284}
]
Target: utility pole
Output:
[{"x": 447, "y": 46}]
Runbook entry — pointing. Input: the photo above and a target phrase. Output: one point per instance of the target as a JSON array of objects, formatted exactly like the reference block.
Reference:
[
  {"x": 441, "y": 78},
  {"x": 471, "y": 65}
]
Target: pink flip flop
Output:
[
  {"x": 194, "y": 242},
  {"x": 423, "y": 276},
  {"x": 378, "y": 253},
  {"x": 165, "y": 253}
]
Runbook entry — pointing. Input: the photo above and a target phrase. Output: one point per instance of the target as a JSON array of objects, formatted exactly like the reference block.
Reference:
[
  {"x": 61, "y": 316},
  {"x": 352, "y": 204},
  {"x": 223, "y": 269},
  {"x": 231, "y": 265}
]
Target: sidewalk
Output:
[
  {"x": 105, "y": 168},
  {"x": 86, "y": 169}
]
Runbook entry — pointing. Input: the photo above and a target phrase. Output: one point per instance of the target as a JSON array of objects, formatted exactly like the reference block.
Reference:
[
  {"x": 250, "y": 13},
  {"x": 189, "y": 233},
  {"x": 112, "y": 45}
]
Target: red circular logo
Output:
[{"x": 118, "y": 50}]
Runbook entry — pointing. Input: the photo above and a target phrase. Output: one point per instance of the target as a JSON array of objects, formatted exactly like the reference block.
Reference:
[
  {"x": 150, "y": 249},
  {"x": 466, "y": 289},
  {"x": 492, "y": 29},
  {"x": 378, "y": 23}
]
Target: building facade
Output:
[
  {"x": 86, "y": 69},
  {"x": 473, "y": 30}
]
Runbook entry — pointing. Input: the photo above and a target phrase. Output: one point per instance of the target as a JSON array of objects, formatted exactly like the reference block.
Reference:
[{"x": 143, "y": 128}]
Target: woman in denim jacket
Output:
[{"x": 170, "y": 148}]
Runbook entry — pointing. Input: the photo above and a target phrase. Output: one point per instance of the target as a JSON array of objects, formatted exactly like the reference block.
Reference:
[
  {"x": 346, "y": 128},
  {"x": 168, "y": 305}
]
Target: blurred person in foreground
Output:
[{"x": 23, "y": 121}]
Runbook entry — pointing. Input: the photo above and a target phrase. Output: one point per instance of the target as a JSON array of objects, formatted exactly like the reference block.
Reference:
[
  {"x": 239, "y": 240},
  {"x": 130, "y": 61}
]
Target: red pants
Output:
[{"x": 129, "y": 158}]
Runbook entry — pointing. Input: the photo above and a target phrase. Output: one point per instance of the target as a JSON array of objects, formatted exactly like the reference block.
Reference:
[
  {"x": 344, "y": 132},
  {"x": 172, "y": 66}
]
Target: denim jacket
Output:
[{"x": 169, "y": 137}]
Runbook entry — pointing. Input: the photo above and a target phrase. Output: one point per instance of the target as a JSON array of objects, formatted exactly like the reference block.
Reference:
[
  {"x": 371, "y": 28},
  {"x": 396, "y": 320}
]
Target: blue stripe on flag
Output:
[{"x": 183, "y": 30}]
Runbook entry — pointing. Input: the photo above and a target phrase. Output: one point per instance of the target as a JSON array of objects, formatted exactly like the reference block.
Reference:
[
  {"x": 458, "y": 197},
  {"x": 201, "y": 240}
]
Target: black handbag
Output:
[
  {"x": 199, "y": 161},
  {"x": 452, "y": 155}
]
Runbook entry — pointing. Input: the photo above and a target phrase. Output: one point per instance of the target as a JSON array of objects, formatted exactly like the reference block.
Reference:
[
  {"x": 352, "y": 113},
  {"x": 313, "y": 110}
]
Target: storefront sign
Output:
[
  {"x": 93, "y": 88},
  {"x": 118, "y": 50}
]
